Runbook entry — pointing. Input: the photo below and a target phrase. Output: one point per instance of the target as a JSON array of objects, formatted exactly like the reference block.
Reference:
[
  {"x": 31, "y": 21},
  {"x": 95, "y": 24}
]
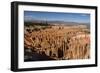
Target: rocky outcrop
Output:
[{"x": 59, "y": 42}]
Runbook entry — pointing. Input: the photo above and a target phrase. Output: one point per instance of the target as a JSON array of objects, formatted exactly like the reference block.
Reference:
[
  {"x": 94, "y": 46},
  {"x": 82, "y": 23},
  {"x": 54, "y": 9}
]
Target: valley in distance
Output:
[{"x": 56, "y": 40}]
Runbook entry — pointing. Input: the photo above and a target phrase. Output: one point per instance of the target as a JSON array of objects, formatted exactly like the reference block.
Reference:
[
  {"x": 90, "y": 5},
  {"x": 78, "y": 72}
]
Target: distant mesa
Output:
[{"x": 56, "y": 23}]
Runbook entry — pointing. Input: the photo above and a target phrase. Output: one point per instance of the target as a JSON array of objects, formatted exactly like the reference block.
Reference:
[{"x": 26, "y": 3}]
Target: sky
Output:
[{"x": 57, "y": 16}]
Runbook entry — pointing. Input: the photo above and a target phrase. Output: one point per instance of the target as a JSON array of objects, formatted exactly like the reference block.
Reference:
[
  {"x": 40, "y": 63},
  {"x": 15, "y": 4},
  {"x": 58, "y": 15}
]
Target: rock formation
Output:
[{"x": 58, "y": 42}]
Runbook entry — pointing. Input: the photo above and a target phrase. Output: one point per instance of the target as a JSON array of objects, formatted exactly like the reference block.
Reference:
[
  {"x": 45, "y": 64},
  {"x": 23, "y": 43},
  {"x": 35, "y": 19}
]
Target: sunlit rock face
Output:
[{"x": 58, "y": 42}]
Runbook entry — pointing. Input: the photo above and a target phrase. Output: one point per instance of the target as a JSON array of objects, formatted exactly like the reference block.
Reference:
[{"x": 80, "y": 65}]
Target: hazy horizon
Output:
[{"x": 57, "y": 16}]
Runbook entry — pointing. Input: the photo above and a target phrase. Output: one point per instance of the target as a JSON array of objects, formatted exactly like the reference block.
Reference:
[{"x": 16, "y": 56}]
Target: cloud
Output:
[
  {"x": 28, "y": 18},
  {"x": 84, "y": 14}
]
